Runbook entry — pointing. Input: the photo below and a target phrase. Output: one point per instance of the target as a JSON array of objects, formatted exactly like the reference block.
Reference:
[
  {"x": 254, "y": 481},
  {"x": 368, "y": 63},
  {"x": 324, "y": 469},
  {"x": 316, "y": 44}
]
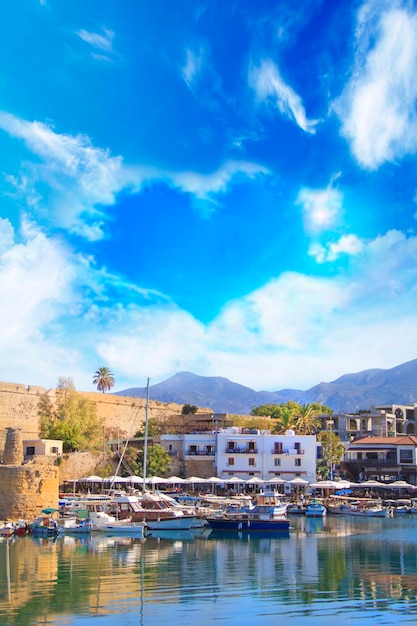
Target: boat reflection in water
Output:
[{"x": 341, "y": 568}]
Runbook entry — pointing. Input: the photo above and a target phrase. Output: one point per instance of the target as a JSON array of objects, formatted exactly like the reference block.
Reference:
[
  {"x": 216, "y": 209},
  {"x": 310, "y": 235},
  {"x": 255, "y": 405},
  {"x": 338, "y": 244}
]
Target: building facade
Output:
[
  {"x": 245, "y": 453},
  {"x": 382, "y": 458},
  {"x": 380, "y": 421}
]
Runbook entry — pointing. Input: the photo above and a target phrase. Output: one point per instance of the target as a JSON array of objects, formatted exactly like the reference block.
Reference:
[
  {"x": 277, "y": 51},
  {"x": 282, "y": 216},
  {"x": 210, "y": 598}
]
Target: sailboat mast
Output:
[{"x": 145, "y": 447}]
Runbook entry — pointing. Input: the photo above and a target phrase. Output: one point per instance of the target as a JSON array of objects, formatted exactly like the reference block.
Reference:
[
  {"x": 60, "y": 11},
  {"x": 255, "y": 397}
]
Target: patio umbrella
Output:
[
  {"x": 276, "y": 481},
  {"x": 400, "y": 484},
  {"x": 193, "y": 480},
  {"x": 175, "y": 480},
  {"x": 298, "y": 481},
  {"x": 255, "y": 481},
  {"x": 91, "y": 479},
  {"x": 215, "y": 480},
  {"x": 371, "y": 484},
  {"x": 135, "y": 479}
]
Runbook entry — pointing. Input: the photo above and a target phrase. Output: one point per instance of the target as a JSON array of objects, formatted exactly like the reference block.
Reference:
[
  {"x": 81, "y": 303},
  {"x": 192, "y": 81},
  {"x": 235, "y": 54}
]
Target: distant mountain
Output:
[{"x": 348, "y": 393}]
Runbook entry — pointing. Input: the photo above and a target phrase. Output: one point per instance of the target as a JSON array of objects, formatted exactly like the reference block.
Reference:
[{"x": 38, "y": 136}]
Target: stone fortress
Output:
[{"x": 26, "y": 488}]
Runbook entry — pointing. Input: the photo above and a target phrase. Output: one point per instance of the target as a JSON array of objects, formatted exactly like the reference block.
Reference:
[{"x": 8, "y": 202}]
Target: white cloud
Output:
[
  {"x": 76, "y": 180},
  {"x": 377, "y": 107},
  {"x": 269, "y": 86},
  {"x": 193, "y": 65},
  {"x": 101, "y": 41},
  {"x": 321, "y": 208},
  {"x": 79, "y": 177},
  {"x": 346, "y": 245},
  {"x": 294, "y": 331}
]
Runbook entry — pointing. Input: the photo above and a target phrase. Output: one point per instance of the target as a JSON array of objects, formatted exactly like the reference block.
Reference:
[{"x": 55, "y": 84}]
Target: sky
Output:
[{"x": 226, "y": 188}]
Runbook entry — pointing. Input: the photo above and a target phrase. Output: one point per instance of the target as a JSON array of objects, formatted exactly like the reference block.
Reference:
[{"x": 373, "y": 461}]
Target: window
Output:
[
  {"x": 30, "y": 450},
  {"x": 251, "y": 446},
  {"x": 231, "y": 461},
  {"x": 297, "y": 462},
  {"x": 277, "y": 462},
  {"x": 406, "y": 456},
  {"x": 170, "y": 447},
  {"x": 278, "y": 447},
  {"x": 252, "y": 461},
  {"x": 297, "y": 446},
  {"x": 54, "y": 450}
]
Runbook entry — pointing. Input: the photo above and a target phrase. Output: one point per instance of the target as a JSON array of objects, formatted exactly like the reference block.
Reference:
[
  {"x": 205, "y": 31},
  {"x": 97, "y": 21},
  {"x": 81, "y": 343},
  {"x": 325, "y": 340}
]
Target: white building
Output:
[
  {"x": 245, "y": 453},
  {"x": 42, "y": 447},
  {"x": 248, "y": 452}
]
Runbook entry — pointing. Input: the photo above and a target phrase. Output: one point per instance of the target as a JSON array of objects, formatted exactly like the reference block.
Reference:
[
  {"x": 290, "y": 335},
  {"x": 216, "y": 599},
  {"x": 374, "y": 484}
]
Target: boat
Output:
[
  {"x": 262, "y": 517},
  {"x": 129, "y": 529},
  {"x": 375, "y": 510},
  {"x": 75, "y": 525},
  {"x": 296, "y": 508},
  {"x": 315, "y": 508},
  {"x": 7, "y": 530},
  {"x": 45, "y": 526},
  {"x": 153, "y": 510}
]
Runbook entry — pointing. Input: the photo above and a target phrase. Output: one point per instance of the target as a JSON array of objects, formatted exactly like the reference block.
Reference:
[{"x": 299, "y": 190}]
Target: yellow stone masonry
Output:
[{"x": 18, "y": 409}]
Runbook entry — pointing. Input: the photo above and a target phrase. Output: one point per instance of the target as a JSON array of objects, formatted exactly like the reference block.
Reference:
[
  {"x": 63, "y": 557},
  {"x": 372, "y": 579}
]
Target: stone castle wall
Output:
[
  {"x": 18, "y": 409},
  {"x": 26, "y": 489}
]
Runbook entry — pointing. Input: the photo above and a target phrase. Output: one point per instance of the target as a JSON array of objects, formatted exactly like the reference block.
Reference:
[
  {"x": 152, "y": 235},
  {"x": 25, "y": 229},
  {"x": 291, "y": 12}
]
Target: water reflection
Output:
[{"x": 336, "y": 565}]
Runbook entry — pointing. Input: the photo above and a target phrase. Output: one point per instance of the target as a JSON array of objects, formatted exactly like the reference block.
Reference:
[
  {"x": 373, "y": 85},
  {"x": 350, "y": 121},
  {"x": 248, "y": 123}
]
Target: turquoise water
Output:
[{"x": 334, "y": 571}]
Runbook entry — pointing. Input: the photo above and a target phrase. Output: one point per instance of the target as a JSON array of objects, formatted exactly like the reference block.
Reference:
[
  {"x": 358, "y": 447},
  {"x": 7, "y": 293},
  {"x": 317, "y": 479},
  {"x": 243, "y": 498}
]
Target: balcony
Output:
[
  {"x": 200, "y": 453},
  {"x": 292, "y": 451},
  {"x": 241, "y": 450}
]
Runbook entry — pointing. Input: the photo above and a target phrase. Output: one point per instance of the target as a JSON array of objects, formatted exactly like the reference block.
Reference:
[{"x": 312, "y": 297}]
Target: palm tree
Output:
[
  {"x": 104, "y": 379},
  {"x": 307, "y": 421},
  {"x": 286, "y": 420}
]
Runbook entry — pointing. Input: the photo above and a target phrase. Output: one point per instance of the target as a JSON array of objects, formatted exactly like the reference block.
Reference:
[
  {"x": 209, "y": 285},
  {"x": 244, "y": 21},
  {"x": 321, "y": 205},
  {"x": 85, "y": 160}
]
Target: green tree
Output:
[
  {"x": 307, "y": 421},
  {"x": 71, "y": 418},
  {"x": 104, "y": 379},
  {"x": 285, "y": 420},
  {"x": 189, "y": 408},
  {"x": 332, "y": 449},
  {"x": 158, "y": 461},
  {"x": 155, "y": 428}
]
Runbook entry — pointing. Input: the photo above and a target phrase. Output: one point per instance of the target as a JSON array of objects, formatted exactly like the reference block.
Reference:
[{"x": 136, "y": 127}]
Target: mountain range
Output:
[{"x": 348, "y": 394}]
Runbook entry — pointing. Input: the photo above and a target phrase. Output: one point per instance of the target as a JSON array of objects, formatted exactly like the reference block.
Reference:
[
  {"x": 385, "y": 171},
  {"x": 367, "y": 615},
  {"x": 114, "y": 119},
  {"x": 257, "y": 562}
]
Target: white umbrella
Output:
[
  {"x": 195, "y": 480},
  {"x": 135, "y": 479},
  {"x": 276, "y": 481},
  {"x": 371, "y": 484},
  {"x": 234, "y": 479},
  {"x": 255, "y": 481},
  {"x": 175, "y": 480},
  {"x": 91, "y": 479},
  {"x": 325, "y": 484},
  {"x": 155, "y": 480},
  {"x": 298, "y": 481},
  {"x": 400, "y": 484},
  {"x": 116, "y": 479}
]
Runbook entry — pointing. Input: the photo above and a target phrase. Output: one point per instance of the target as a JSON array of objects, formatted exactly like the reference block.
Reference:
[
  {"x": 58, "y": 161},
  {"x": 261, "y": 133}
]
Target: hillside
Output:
[{"x": 348, "y": 393}]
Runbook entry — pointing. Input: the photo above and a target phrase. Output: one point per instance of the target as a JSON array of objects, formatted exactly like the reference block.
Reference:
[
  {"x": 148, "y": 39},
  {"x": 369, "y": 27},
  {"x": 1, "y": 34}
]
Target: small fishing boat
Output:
[
  {"x": 315, "y": 508},
  {"x": 128, "y": 529},
  {"x": 265, "y": 516},
  {"x": 375, "y": 510}
]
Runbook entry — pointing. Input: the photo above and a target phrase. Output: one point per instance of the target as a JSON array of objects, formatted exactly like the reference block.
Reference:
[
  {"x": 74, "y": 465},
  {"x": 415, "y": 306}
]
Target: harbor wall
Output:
[{"x": 19, "y": 409}]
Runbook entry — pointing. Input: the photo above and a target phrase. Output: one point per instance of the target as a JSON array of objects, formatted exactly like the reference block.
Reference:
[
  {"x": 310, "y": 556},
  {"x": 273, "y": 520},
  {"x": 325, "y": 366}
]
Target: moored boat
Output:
[
  {"x": 315, "y": 508},
  {"x": 129, "y": 529}
]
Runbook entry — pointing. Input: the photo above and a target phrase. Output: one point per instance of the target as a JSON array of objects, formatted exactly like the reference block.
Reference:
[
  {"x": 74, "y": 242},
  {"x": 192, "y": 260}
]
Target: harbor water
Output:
[{"x": 337, "y": 570}]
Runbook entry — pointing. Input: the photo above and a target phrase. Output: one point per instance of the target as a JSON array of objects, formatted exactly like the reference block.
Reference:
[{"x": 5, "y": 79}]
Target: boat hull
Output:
[
  {"x": 183, "y": 522},
  {"x": 249, "y": 525},
  {"x": 130, "y": 530}
]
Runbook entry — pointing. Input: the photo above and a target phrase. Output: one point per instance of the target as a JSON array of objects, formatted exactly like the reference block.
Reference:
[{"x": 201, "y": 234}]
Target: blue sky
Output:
[{"x": 227, "y": 188}]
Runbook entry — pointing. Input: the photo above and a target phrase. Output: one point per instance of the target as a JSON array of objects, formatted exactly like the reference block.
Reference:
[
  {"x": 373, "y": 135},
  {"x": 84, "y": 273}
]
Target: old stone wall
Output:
[
  {"x": 200, "y": 468},
  {"x": 18, "y": 409},
  {"x": 26, "y": 489}
]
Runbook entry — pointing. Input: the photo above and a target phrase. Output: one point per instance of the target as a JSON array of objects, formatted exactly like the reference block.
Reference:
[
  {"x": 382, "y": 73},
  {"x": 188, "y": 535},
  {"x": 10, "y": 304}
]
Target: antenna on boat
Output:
[{"x": 145, "y": 447}]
